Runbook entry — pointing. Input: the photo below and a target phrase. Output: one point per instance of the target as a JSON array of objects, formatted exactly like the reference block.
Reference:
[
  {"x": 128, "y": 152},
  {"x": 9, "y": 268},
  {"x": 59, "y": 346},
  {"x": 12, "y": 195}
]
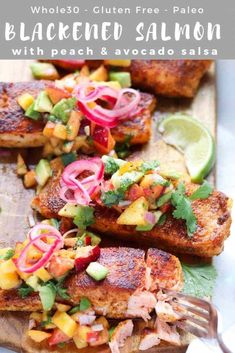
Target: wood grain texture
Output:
[{"x": 15, "y": 200}]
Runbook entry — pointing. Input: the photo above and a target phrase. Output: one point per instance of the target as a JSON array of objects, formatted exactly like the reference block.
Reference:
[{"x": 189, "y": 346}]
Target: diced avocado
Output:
[
  {"x": 69, "y": 210},
  {"x": 95, "y": 240},
  {"x": 32, "y": 113},
  {"x": 43, "y": 172},
  {"x": 44, "y": 71},
  {"x": 63, "y": 109},
  {"x": 170, "y": 175},
  {"x": 158, "y": 215},
  {"x": 47, "y": 295},
  {"x": 124, "y": 78},
  {"x": 33, "y": 282},
  {"x": 145, "y": 228},
  {"x": 97, "y": 271},
  {"x": 127, "y": 179},
  {"x": 84, "y": 304},
  {"x": 163, "y": 199},
  {"x": 112, "y": 164},
  {"x": 42, "y": 103}
]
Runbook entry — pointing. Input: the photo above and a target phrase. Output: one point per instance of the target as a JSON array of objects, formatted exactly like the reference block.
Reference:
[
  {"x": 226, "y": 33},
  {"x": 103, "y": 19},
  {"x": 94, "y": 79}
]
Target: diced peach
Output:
[
  {"x": 49, "y": 129},
  {"x": 59, "y": 265},
  {"x": 21, "y": 168},
  {"x": 100, "y": 74},
  {"x": 85, "y": 71},
  {"x": 25, "y": 100},
  {"x": 30, "y": 179},
  {"x": 56, "y": 94},
  {"x": 103, "y": 338},
  {"x": 48, "y": 149},
  {"x": 9, "y": 280},
  {"x": 57, "y": 337},
  {"x": 102, "y": 139},
  {"x": 43, "y": 274},
  {"x": 60, "y": 131},
  {"x": 129, "y": 167},
  {"x": 102, "y": 321},
  {"x": 73, "y": 125},
  {"x": 118, "y": 62},
  {"x": 7, "y": 266},
  {"x": 36, "y": 316},
  {"x": 62, "y": 307},
  {"x": 55, "y": 141},
  {"x": 33, "y": 255},
  {"x": 79, "y": 343},
  {"x": 65, "y": 323},
  {"x": 135, "y": 213},
  {"x": 134, "y": 192},
  {"x": 38, "y": 336},
  {"x": 82, "y": 332}
]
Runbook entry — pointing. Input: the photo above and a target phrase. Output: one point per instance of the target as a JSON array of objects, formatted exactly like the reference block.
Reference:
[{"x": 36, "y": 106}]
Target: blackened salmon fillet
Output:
[
  {"x": 213, "y": 218},
  {"x": 16, "y": 130},
  {"x": 131, "y": 272}
]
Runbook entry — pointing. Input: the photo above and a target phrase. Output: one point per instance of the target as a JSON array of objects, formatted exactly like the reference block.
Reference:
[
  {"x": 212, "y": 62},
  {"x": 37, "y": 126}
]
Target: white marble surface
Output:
[
  {"x": 225, "y": 291},
  {"x": 224, "y": 296}
]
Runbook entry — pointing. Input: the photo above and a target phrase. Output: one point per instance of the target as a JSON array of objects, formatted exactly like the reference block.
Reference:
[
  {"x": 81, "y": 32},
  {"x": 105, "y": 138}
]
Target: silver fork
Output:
[{"x": 199, "y": 318}]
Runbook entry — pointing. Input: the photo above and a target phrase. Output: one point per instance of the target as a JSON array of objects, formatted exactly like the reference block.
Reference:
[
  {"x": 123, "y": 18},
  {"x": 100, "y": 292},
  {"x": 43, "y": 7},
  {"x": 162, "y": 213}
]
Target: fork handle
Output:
[{"x": 222, "y": 345}]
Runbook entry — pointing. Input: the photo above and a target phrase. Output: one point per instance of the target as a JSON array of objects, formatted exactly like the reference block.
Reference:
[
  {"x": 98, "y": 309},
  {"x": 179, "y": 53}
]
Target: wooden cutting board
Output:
[{"x": 15, "y": 200}]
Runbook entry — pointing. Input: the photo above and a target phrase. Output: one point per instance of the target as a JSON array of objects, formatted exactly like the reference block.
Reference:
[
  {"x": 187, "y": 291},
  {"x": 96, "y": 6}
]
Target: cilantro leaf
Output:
[
  {"x": 8, "y": 255},
  {"x": 123, "y": 148},
  {"x": 183, "y": 209},
  {"x": 84, "y": 304},
  {"x": 112, "y": 197},
  {"x": 25, "y": 290},
  {"x": 199, "y": 280},
  {"x": 202, "y": 192},
  {"x": 84, "y": 217},
  {"x": 147, "y": 166},
  {"x": 62, "y": 292},
  {"x": 74, "y": 310}
]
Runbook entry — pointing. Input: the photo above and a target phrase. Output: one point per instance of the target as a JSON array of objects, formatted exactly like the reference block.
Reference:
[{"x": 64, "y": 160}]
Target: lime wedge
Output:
[{"x": 193, "y": 139}]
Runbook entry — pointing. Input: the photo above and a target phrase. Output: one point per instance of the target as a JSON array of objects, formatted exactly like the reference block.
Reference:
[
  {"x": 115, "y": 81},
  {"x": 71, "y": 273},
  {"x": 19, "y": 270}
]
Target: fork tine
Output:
[
  {"x": 196, "y": 331},
  {"x": 201, "y": 323},
  {"x": 194, "y": 310},
  {"x": 202, "y": 303}
]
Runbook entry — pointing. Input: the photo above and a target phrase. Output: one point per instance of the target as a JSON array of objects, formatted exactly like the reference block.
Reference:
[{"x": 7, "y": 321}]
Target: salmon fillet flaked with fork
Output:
[
  {"x": 132, "y": 275},
  {"x": 213, "y": 218},
  {"x": 16, "y": 130}
]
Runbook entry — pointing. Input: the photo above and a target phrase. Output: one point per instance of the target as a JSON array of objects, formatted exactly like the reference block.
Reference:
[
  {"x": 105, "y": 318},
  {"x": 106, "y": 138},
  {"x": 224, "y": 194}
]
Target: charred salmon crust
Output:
[
  {"x": 16, "y": 130},
  {"x": 173, "y": 78},
  {"x": 213, "y": 219},
  {"x": 128, "y": 275}
]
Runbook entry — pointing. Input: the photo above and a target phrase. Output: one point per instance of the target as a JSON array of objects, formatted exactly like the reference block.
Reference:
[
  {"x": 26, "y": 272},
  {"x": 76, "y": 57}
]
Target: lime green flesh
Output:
[{"x": 193, "y": 139}]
